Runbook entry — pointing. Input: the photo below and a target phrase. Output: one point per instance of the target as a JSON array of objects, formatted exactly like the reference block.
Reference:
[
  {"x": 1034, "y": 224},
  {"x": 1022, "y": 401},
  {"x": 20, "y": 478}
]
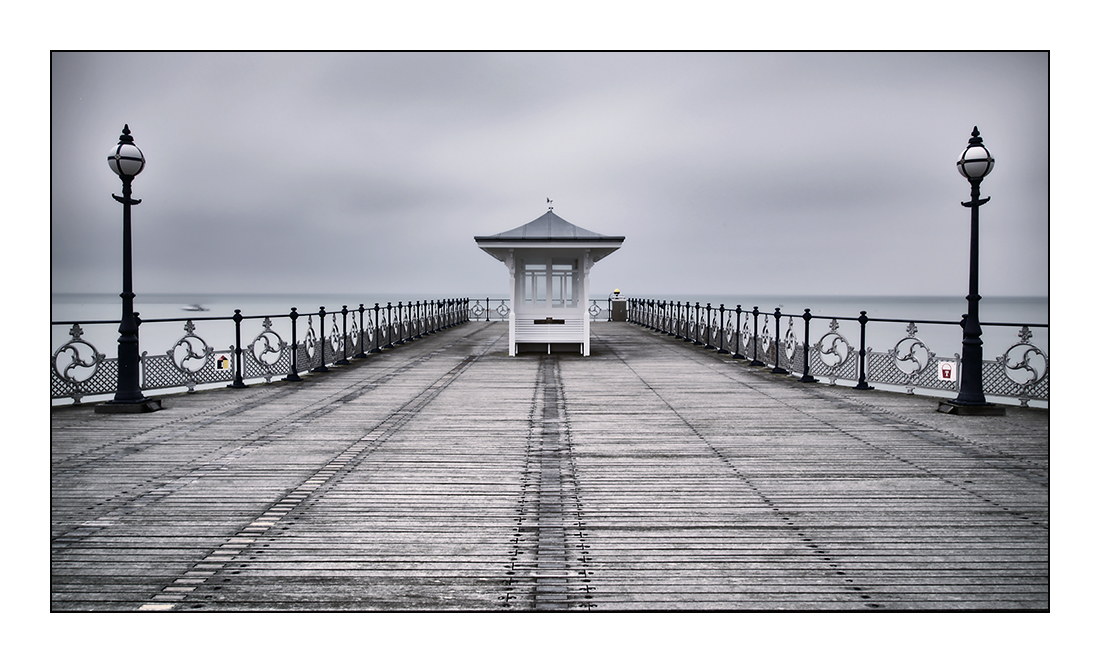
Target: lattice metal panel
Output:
[
  {"x": 798, "y": 359},
  {"x": 303, "y": 358},
  {"x": 254, "y": 368},
  {"x": 161, "y": 371},
  {"x": 996, "y": 382},
  {"x": 104, "y": 381}
]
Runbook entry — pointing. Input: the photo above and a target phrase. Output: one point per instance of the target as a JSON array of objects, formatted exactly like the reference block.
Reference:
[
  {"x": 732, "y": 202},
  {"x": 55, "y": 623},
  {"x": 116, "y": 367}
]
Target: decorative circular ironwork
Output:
[
  {"x": 267, "y": 348},
  {"x": 78, "y": 360},
  {"x": 910, "y": 354},
  {"x": 183, "y": 353},
  {"x": 594, "y": 309},
  {"x": 310, "y": 341},
  {"x": 477, "y": 310},
  {"x": 353, "y": 335},
  {"x": 833, "y": 349},
  {"x": 766, "y": 339},
  {"x": 790, "y": 342},
  {"x": 1024, "y": 363},
  {"x": 746, "y": 334},
  {"x": 334, "y": 336}
]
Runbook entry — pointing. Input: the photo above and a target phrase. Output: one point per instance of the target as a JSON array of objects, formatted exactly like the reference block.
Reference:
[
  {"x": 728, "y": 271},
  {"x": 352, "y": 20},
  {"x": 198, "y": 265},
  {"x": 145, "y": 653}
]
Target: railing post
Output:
[
  {"x": 806, "y": 377},
  {"x": 419, "y": 321},
  {"x": 293, "y": 376},
  {"x": 862, "y": 384},
  {"x": 737, "y": 346},
  {"x": 778, "y": 370},
  {"x": 755, "y": 337},
  {"x": 709, "y": 345},
  {"x": 409, "y": 322},
  {"x": 238, "y": 379},
  {"x": 362, "y": 332},
  {"x": 722, "y": 330},
  {"x": 322, "y": 368}
]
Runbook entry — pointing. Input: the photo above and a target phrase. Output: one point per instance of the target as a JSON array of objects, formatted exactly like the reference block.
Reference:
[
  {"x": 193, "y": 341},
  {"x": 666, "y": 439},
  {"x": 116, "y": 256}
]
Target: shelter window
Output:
[
  {"x": 563, "y": 285},
  {"x": 534, "y": 284}
]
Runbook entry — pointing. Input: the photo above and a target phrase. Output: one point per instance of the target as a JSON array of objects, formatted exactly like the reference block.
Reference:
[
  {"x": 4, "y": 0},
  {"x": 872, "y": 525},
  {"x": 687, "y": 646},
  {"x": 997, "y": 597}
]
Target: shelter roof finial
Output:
[{"x": 550, "y": 203}]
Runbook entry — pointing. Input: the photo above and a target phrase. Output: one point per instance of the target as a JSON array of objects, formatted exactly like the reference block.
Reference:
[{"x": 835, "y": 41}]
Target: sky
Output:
[{"x": 817, "y": 173}]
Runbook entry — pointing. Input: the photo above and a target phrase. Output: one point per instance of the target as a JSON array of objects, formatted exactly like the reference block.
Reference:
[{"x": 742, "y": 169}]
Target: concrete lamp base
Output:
[
  {"x": 987, "y": 410},
  {"x": 111, "y": 407}
]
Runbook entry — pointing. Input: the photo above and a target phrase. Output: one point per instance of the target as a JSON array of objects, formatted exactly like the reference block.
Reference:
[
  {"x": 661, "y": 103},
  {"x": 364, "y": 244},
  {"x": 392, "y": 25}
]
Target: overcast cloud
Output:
[{"x": 753, "y": 173}]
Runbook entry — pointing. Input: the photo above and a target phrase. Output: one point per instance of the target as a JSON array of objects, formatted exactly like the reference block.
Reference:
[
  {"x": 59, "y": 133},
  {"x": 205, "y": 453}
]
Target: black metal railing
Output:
[
  {"x": 316, "y": 340},
  {"x": 497, "y": 309},
  {"x": 1022, "y": 372}
]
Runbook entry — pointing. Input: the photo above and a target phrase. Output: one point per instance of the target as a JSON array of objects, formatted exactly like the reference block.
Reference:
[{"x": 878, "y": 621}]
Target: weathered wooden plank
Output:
[{"x": 445, "y": 475}]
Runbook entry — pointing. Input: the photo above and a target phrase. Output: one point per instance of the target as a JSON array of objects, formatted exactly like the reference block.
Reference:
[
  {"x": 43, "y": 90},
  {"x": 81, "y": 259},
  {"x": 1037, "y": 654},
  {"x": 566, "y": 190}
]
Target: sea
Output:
[{"x": 98, "y": 315}]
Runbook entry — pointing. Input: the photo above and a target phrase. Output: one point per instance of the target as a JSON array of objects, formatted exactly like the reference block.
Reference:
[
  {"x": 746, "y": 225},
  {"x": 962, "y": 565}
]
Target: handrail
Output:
[
  {"x": 79, "y": 370},
  {"x": 1022, "y": 372}
]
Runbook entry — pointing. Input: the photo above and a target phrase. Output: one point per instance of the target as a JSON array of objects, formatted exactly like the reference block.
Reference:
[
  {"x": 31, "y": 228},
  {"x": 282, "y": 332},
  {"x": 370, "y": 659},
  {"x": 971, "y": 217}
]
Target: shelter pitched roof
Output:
[{"x": 549, "y": 228}]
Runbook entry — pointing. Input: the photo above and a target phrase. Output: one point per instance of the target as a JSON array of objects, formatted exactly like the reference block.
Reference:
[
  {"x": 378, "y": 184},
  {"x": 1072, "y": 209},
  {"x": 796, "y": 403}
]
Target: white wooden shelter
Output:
[{"x": 548, "y": 261}]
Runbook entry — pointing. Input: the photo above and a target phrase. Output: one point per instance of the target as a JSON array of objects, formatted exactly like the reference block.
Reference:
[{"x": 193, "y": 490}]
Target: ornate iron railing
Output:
[
  {"x": 489, "y": 309},
  {"x": 281, "y": 345},
  {"x": 1021, "y": 372}
]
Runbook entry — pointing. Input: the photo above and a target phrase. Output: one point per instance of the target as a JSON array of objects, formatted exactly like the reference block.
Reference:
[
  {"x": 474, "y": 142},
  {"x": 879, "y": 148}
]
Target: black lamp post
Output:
[
  {"x": 126, "y": 160},
  {"x": 974, "y": 164}
]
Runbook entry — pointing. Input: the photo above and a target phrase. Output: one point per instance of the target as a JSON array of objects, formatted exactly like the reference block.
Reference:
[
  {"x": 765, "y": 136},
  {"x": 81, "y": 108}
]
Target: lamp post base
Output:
[
  {"x": 987, "y": 410},
  {"x": 136, "y": 407}
]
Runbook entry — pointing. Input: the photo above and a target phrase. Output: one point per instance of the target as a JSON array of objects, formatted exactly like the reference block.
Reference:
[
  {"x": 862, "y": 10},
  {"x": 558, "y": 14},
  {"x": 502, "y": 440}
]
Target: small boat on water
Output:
[{"x": 195, "y": 307}]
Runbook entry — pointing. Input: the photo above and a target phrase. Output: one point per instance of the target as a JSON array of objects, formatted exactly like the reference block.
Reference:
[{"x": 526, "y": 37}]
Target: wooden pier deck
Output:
[{"x": 652, "y": 475}]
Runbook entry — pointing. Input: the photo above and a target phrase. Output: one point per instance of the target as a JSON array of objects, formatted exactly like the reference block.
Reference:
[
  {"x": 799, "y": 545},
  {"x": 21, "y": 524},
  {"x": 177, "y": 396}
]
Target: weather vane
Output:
[{"x": 550, "y": 203}]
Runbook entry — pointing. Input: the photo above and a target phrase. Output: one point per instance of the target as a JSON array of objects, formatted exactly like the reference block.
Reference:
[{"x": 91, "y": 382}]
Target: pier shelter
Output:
[{"x": 549, "y": 260}]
